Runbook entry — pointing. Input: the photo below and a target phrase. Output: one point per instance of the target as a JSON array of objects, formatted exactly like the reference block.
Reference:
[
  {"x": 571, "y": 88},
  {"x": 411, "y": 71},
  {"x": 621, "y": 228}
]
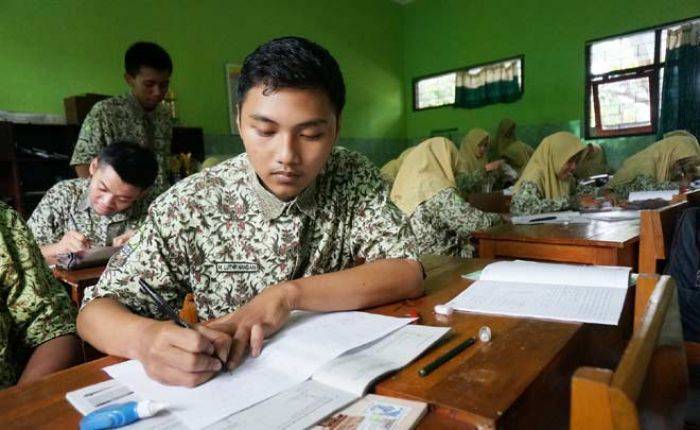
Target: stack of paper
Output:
[
  {"x": 310, "y": 345},
  {"x": 637, "y": 196},
  {"x": 566, "y": 292}
]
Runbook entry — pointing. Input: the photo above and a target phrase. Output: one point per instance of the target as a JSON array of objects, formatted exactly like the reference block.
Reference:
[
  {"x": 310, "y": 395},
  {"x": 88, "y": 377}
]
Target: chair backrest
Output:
[
  {"x": 656, "y": 234},
  {"x": 647, "y": 390}
]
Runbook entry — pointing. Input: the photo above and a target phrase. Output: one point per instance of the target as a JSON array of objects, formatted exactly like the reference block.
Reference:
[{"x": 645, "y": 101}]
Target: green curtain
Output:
[
  {"x": 680, "y": 104},
  {"x": 490, "y": 84}
]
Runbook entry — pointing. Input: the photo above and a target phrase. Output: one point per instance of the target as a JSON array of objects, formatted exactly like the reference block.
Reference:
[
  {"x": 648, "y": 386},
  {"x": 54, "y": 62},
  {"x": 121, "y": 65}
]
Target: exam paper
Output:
[
  {"x": 555, "y": 273},
  {"x": 565, "y": 217},
  {"x": 304, "y": 345},
  {"x": 636, "y": 196}
]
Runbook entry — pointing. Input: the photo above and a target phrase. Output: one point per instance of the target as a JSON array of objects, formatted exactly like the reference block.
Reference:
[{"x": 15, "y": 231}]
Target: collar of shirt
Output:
[
  {"x": 84, "y": 206},
  {"x": 272, "y": 207}
]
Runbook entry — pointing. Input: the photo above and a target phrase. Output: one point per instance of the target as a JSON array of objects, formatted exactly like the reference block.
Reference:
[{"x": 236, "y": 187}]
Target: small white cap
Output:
[
  {"x": 485, "y": 334},
  {"x": 148, "y": 408},
  {"x": 443, "y": 310}
]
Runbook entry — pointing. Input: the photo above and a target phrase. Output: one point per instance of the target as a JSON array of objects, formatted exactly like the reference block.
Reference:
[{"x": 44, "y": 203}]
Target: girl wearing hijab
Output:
[
  {"x": 475, "y": 171},
  {"x": 546, "y": 182},
  {"x": 391, "y": 168},
  {"x": 593, "y": 163},
  {"x": 515, "y": 152},
  {"x": 425, "y": 191},
  {"x": 660, "y": 166}
]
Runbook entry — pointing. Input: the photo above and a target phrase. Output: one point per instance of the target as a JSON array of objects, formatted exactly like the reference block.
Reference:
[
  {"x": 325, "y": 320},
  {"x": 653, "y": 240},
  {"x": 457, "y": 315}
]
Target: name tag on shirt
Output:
[{"x": 237, "y": 267}]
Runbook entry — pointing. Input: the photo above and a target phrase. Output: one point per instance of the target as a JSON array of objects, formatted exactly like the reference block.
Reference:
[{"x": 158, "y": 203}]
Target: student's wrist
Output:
[{"x": 292, "y": 294}]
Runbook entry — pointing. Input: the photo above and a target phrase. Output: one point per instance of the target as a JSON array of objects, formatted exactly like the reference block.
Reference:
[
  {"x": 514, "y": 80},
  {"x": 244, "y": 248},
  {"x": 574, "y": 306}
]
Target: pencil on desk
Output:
[{"x": 446, "y": 357}]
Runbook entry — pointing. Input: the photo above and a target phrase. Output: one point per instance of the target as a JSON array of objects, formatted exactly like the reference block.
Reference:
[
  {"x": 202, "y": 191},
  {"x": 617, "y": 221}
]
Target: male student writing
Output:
[
  {"x": 137, "y": 116},
  {"x": 102, "y": 210},
  {"x": 275, "y": 229}
]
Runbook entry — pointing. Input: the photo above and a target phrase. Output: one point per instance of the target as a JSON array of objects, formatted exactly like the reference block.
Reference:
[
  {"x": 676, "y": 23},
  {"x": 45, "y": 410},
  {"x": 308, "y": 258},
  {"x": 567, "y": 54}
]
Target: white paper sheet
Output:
[
  {"x": 566, "y": 217},
  {"x": 614, "y": 215},
  {"x": 554, "y": 273},
  {"x": 636, "y": 196},
  {"x": 307, "y": 342},
  {"x": 355, "y": 370},
  {"x": 598, "y": 305}
]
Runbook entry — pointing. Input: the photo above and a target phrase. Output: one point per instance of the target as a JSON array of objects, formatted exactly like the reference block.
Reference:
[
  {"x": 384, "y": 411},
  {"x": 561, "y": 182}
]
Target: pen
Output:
[
  {"x": 544, "y": 218},
  {"x": 446, "y": 357},
  {"x": 169, "y": 311}
]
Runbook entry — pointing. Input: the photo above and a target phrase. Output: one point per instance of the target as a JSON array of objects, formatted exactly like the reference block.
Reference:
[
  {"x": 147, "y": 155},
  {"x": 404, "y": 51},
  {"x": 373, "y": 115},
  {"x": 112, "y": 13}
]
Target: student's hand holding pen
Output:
[
  {"x": 259, "y": 318},
  {"x": 174, "y": 355},
  {"x": 73, "y": 241}
]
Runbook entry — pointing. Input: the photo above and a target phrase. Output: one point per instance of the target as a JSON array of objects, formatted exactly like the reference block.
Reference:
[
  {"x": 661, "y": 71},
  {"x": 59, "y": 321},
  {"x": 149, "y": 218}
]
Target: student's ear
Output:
[
  {"x": 238, "y": 118},
  {"x": 129, "y": 79},
  {"x": 94, "y": 165}
]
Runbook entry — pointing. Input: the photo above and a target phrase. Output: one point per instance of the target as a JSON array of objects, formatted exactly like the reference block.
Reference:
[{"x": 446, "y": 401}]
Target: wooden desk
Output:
[
  {"x": 521, "y": 379},
  {"x": 77, "y": 280},
  {"x": 598, "y": 242}
]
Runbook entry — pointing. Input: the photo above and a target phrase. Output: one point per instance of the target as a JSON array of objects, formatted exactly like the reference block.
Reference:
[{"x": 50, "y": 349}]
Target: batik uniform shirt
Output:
[
  {"x": 66, "y": 207},
  {"x": 35, "y": 306},
  {"x": 472, "y": 182},
  {"x": 221, "y": 235},
  {"x": 122, "y": 118},
  {"x": 444, "y": 223},
  {"x": 643, "y": 183},
  {"x": 529, "y": 200}
]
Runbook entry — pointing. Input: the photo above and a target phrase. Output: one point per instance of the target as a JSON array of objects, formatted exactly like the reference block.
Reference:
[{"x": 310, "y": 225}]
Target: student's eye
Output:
[
  {"x": 312, "y": 136},
  {"x": 265, "y": 133}
]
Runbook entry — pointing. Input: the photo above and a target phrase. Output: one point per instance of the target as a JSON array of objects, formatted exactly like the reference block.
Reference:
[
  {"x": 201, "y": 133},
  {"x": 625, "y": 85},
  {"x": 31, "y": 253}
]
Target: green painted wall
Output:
[
  {"x": 448, "y": 34},
  {"x": 52, "y": 49}
]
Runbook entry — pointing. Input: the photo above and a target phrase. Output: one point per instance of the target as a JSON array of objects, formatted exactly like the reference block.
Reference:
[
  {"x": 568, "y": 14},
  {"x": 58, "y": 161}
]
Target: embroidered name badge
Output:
[{"x": 237, "y": 267}]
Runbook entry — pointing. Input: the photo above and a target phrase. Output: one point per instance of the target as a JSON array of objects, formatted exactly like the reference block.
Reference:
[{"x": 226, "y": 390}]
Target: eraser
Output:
[{"x": 443, "y": 310}]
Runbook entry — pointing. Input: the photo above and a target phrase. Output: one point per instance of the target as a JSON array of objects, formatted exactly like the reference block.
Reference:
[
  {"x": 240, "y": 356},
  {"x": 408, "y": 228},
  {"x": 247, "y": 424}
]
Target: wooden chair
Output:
[
  {"x": 655, "y": 235},
  {"x": 648, "y": 388},
  {"x": 495, "y": 202}
]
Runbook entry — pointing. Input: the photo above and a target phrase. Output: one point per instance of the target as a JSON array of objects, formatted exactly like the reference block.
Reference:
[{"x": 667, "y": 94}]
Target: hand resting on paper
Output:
[
  {"x": 257, "y": 319},
  {"x": 123, "y": 238}
]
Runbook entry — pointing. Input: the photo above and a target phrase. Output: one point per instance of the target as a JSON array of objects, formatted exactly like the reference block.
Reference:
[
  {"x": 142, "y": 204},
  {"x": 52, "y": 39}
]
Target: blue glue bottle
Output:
[{"x": 120, "y": 414}]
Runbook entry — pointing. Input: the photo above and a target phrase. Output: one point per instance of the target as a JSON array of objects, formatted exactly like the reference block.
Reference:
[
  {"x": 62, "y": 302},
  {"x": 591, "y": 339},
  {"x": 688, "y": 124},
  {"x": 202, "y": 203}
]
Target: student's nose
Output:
[{"x": 287, "y": 149}]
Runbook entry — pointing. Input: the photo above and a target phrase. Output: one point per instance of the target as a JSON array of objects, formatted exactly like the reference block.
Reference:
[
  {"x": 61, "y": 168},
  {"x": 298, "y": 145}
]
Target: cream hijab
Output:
[
  {"x": 547, "y": 161},
  {"x": 657, "y": 160},
  {"x": 428, "y": 169},
  {"x": 391, "y": 168},
  {"x": 469, "y": 148}
]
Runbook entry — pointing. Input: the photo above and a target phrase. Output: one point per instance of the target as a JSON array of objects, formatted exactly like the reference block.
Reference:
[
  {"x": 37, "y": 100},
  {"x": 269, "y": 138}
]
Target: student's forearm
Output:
[
  {"x": 111, "y": 328},
  {"x": 367, "y": 285},
  {"x": 51, "y": 356}
]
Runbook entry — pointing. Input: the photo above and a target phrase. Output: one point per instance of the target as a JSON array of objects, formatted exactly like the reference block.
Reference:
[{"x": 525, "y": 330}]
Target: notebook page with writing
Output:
[
  {"x": 553, "y": 273},
  {"x": 303, "y": 346}
]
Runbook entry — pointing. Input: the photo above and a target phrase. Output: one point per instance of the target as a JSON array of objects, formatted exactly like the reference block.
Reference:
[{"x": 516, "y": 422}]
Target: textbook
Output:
[
  {"x": 335, "y": 385},
  {"x": 563, "y": 292},
  {"x": 343, "y": 351}
]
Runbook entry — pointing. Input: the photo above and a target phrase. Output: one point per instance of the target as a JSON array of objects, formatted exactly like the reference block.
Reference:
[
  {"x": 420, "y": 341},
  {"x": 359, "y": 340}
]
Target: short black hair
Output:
[
  {"x": 293, "y": 62},
  {"x": 134, "y": 164},
  {"x": 146, "y": 54}
]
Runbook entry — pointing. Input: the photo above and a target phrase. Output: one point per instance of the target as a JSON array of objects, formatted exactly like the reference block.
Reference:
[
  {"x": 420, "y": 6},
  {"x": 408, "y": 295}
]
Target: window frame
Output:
[
  {"x": 652, "y": 72},
  {"x": 415, "y": 80}
]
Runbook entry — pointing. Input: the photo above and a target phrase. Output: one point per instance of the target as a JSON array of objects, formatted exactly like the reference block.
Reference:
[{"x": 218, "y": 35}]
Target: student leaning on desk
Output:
[
  {"x": 269, "y": 231},
  {"x": 102, "y": 210}
]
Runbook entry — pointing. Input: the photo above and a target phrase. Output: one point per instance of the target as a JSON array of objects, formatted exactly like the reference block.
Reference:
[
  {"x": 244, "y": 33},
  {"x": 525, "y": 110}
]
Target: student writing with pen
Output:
[
  {"x": 276, "y": 229},
  {"x": 102, "y": 210}
]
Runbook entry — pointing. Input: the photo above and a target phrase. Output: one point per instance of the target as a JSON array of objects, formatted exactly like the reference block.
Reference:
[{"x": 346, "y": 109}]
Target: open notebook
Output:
[
  {"x": 336, "y": 384},
  {"x": 565, "y": 292}
]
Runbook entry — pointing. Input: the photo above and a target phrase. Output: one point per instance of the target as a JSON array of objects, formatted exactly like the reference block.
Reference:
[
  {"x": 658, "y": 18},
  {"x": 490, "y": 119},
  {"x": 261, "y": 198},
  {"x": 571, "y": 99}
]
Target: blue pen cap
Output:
[{"x": 110, "y": 417}]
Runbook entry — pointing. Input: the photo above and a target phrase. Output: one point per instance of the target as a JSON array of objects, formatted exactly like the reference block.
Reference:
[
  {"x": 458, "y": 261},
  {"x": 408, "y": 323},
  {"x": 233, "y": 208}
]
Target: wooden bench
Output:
[
  {"x": 648, "y": 387},
  {"x": 495, "y": 202}
]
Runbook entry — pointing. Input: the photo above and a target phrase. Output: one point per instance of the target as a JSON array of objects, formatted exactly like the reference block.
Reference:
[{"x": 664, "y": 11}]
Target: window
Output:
[
  {"x": 440, "y": 89},
  {"x": 623, "y": 83}
]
